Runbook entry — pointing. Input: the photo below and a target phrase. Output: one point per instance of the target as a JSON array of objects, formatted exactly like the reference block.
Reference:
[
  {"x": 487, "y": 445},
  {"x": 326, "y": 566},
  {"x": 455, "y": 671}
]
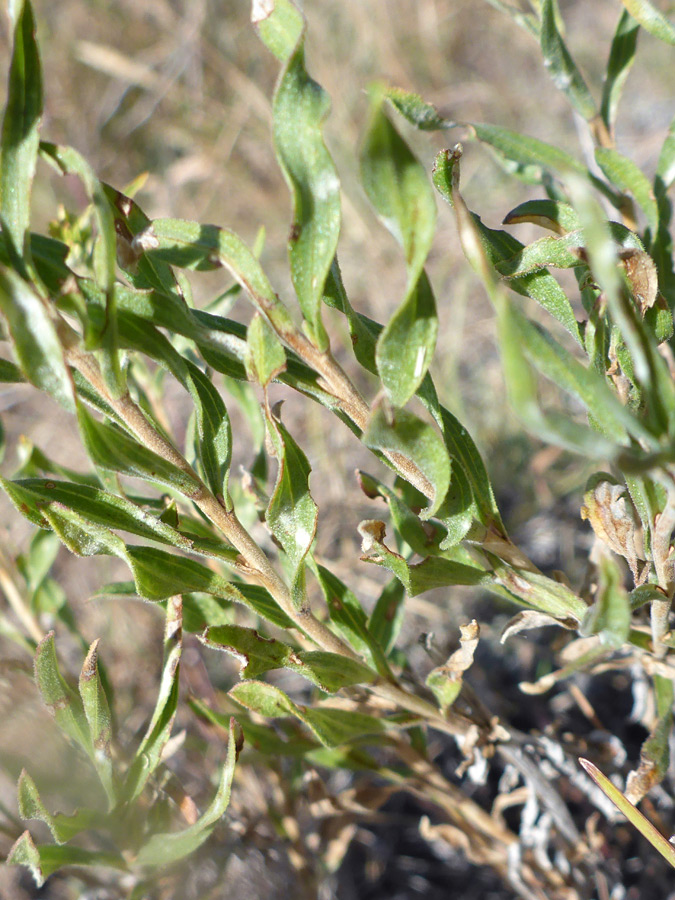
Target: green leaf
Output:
[
  {"x": 61, "y": 701},
  {"x": 517, "y": 334},
  {"x": 552, "y": 214},
  {"x": 97, "y": 712},
  {"x": 291, "y": 513},
  {"x": 431, "y": 573},
  {"x": 610, "y": 615},
  {"x": 115, "y": 451},
  {"x": 94, "y": 504},
  {"x": 417, "y": 441},
  {"x": 406, "y": 523},
  {"x": 528, "y": 21},
  {"x": 562, "y": 68},
  {"x": 546, "y": 251},
  {"x": 499, "y": 245},
  {"x": 213, "y": 430},
  {"x": 300, "y": 107},
  {"x": 651, "y": 370},
  {"x": 464, "y": 452},
  {"x": 331, "y": 726},
  {"x": 280, "y": 26},
  {"x": 388, "y": 615},
  {"x": 70, "y": 162},
  {"x": 651, "y": 19},
  {"x": 34, "y": 339},
  {"x": 44, "y": 859},
  {"x": 665, "y": 167},
  {"x": 349, "y": 618},
  {"x": 623, "y": 173},
  {"x": 524, "y": 151},
  {"x": 634, "y": 816},
  {"x": 149, "y": 753},
  {"x": 62, "y": 827},
  {"x": 619, "y": 64},
  {"x": 190, "y": 245},
  {"x": 20, "y": 131},
  {"x": 163, "y": 849},
  {"x": 417, "y": 111},
  {"x": 399, "y": 190},
  {"x": 257, "y": 654},
  {"x": 405, "y": 347},
  {"x": 265, "y": 355}
]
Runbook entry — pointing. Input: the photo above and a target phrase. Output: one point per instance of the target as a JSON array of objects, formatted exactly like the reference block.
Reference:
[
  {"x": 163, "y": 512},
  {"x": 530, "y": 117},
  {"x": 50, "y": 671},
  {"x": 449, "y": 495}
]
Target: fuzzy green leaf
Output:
[
  {"x": 651, "y": 19},
  {"x": 610, "y": 615},
  {"x": 349, "y": 618},
  {"x": 619, "y": 64},
  {"x": 114, "y": 450},
  {"x": 61, "y": 701},
  {"x": 20, "y": 131},
  {"x": 431, "y": 573},
  {"x": 524, "y": 151},
  {"x": 291, "y": 512},
  {"x": 399, "y": 190},
  {"x": 62, "y": 827},
  {"x": 417, "y": 111},
  {"x": 189, "y": 245},
  {"x": 625, "y": 175},
  {"x": 463, "y": 451},
  {"x": 300, "y": 107},
  {"x": 406, "y": 345},
  {"x": 44, "y": 859},
  {"x": 562, "y": 68},
  {"x": 265, "y": 355},
  {"x": 34, "y": 339},
  {"x": 552, "y": 214},
  {"x": 331, "y": 726},
  {"x": 97, "y": 712},
  {"x": 163, "y": 849},
  {"x": 149, "y": 753},
  {"x": 546, "y": 251},
  {"x": 417, "y": 441},
  {"x": 213, "y": 430},
  {"x": 280, "y": 26},
  {"x": 257, "y": 654},
  {"x": 387, "y": 616}
]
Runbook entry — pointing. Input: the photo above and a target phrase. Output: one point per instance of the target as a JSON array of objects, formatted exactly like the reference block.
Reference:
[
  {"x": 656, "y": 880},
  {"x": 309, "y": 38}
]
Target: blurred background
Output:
[{"x": 181, "y": 90}]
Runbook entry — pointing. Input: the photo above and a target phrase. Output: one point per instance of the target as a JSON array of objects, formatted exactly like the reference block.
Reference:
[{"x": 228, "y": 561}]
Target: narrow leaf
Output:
[
  {"x": 634, "y": 816},
  {"x": 300, "y": 107},
  {"x": 651, "y": 19},
  {"x": 292, "y": 512},
  {"x": 61, "y": 701},
  {"x": 562, "y": 68},
  {"x": 331, "y": 726},
  {"x": 623, "y": 173},
  {"x": 399, "y": 190},
  {"x": 114, "y": 450},
  {"x": 97, "y": 712},
  {"x": 34, "y": 339},
  {"x": 149, "y": 753},
  {"x": 257, "y": 654},
  {"x": 20, "y": 131},
  {"x": 619, "y": 64},
  {"x": 418, "y": 442},
  {"x": 265, "y": 356}
]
